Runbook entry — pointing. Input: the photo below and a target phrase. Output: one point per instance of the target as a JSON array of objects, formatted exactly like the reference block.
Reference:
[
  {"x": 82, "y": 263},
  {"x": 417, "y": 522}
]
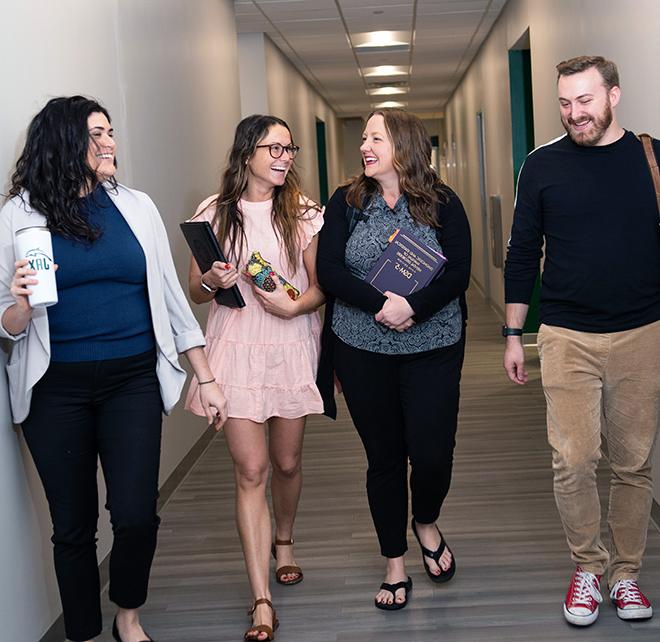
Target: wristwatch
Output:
[
  {"x": 511, "y": 332},
  {"x": 206, "y": 287}
]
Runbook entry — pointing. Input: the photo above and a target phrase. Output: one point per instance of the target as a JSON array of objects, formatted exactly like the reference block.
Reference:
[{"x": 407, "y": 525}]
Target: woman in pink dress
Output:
[{"x": 265, "y": 355}]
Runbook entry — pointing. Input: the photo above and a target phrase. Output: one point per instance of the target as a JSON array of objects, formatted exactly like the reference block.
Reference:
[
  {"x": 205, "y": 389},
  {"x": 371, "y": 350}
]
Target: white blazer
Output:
[{"x": 175, "y": 328}]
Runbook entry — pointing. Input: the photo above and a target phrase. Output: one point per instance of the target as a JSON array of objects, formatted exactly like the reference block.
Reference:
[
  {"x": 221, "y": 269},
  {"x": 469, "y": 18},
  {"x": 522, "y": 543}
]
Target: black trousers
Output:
[
  {"x": 405, "y": 408},
  {"x": 81, "y": 412}
]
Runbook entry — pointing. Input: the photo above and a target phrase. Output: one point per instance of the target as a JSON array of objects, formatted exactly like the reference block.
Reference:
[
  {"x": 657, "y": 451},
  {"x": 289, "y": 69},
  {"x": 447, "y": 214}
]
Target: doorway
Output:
[
  {"x": 322, "y": 161},
  {"x": 522, "y": 136},
  {"x": 485, "y": 241}
]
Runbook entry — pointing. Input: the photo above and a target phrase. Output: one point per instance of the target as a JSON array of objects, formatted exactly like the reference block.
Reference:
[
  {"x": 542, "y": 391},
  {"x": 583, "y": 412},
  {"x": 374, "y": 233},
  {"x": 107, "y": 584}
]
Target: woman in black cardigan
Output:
[{"x": 398, "y": 358}]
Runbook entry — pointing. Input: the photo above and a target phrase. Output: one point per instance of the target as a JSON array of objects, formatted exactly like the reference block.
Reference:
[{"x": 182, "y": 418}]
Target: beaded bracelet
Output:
[{"x": 201, "y": 383}]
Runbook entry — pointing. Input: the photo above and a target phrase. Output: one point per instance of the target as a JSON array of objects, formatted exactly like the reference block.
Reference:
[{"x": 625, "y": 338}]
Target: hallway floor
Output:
[{"x": 500, "y": 520}]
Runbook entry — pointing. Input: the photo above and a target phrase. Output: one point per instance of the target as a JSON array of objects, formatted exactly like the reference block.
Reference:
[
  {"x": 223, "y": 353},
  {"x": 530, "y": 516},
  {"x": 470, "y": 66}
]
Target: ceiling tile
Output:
[{"x": 312, "y": 33}]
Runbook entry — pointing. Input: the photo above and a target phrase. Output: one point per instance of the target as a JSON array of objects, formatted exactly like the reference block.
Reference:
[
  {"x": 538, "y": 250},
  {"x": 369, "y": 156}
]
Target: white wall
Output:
[
  {"x": 252, "y": 73},
  {"x": 352, "y": 129},
  {"x": 270, "y": 84},
  {"x": 167, "y": 71},
  {"x": 292, "y": 98},
  {"x": 627, "y": 33}
]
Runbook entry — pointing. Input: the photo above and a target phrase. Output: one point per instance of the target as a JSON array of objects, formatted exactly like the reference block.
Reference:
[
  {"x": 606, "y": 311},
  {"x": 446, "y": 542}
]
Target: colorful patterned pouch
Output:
[{"x": 262, "y": 274}]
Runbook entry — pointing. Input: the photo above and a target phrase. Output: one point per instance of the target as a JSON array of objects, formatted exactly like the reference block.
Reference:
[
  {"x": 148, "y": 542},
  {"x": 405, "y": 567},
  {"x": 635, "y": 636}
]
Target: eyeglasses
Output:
[{"x": 276, "y": 150}]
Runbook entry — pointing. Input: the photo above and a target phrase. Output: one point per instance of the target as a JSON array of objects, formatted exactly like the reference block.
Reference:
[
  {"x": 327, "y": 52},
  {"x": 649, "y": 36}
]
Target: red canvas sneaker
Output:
[
  {"x": 630, "y": 602},
  {"x": 583, "y": 598}
]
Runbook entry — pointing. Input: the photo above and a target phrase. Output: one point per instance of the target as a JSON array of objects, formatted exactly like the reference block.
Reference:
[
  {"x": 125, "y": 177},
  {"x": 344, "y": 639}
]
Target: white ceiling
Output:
[{"x": 318, "y": 37}]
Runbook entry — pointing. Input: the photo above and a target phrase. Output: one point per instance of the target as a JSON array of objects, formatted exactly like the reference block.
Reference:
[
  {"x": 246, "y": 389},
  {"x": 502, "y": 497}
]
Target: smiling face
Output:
[
  {"x": 264, "y": 171},
  {"x": 101, "y": 151},
  {"x": 585, "y": 106},
  {"x": 377, "y": 151}
]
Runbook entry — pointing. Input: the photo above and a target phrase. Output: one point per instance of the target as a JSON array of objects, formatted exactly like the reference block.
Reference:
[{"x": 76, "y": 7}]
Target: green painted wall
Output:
[{"x": 522, "y": 138}]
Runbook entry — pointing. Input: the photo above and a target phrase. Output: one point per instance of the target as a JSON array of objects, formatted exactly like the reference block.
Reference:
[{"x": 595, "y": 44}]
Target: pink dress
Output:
[{"x": 266, "y": 366}]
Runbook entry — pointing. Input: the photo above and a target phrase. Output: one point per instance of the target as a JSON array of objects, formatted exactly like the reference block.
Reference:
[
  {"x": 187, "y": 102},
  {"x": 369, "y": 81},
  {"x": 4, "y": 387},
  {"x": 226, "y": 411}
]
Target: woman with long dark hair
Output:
[
  {"x": 398, "y": 358},
  {"x": 90, "y": 376},
  {"x": 265, "y": 355}
]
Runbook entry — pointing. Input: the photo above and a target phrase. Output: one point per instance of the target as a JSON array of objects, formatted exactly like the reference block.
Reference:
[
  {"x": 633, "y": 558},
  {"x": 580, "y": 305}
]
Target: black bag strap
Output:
[
  {"x": 647, "y": 143},
  {"x": 353, "y": 216}
]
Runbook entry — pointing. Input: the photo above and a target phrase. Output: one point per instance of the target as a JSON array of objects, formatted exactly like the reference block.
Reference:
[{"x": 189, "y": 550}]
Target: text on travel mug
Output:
[{"x": 35, "y": 245}]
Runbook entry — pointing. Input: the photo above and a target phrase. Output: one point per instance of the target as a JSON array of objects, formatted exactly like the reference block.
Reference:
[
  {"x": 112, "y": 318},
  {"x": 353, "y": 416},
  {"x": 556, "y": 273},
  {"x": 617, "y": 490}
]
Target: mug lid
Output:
[{"x": 32, "y": 227}]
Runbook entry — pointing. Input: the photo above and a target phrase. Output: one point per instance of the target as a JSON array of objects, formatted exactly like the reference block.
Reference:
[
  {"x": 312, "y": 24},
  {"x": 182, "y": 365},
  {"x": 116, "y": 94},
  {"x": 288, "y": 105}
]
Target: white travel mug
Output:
[{"x": 35, "y": 245}]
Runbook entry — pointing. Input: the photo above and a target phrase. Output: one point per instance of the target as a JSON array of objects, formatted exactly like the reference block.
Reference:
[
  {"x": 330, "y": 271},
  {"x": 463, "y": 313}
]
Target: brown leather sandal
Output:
[
  {"x": 255, "y": 629},
  {"x": 286, "y": 570}
]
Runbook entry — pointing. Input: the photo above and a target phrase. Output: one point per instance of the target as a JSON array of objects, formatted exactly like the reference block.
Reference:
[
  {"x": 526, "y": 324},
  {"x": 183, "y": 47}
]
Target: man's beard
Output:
[{"x": 592, "y": 136}]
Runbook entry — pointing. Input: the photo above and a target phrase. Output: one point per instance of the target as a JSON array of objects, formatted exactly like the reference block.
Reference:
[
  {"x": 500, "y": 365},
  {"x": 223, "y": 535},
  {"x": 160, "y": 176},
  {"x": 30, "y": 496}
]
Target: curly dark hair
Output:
[{"x": 53, "y": 168}]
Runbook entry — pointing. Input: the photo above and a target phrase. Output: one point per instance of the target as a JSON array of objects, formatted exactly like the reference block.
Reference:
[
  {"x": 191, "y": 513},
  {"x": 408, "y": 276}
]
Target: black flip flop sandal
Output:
[
  {"x": 393, "y": 588},
  {"x": 444, "y": 576}
]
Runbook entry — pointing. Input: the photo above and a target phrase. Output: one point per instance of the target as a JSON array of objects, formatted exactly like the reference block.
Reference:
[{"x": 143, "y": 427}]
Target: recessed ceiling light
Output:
[
  {"x": 389, "y": 103},
  {"x": 387, "y": 91},
  {"x": 385, "y": 70},
  {"x": 380, "y": 39},
  {"x": 375, "y": 84}
]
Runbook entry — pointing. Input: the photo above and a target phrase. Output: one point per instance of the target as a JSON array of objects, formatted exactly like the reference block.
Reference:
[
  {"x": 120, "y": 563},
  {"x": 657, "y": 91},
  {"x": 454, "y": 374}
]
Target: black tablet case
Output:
[{"x": 204, "y": 247}]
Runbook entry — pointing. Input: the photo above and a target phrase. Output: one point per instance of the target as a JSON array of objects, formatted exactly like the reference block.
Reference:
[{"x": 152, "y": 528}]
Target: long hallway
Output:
[{"x": 500, "y": 519}]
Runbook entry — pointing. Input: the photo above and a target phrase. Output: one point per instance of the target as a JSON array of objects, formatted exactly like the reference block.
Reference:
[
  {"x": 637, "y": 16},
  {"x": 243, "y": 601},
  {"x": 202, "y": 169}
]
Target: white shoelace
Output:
[
  {"x": 627, "y": 591},
  {"x": 585, "y": 589}
]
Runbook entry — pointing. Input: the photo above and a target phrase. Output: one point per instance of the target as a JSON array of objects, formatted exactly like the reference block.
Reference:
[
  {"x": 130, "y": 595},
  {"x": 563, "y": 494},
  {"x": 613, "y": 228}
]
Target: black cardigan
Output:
[{"x": 339, "y": 282}]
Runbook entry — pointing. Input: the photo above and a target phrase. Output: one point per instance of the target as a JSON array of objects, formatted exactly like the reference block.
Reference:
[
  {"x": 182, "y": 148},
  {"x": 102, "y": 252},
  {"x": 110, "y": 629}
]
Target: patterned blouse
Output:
[{"x": 358, "y": 328}]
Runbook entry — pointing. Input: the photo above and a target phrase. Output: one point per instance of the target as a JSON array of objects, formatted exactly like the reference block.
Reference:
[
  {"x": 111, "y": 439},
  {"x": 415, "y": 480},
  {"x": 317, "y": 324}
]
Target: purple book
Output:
[{"x": 406, "y": 265}]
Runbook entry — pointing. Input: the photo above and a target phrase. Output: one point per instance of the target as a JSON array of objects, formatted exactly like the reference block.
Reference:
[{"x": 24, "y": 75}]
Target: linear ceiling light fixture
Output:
[
  {"x": 386, "y": 70},
  {"x": 375, "y": 84},
  {"x": 388, "y": 91},
  {"x": 389, "y": 103},
  {"x": 380, "y": 41}
]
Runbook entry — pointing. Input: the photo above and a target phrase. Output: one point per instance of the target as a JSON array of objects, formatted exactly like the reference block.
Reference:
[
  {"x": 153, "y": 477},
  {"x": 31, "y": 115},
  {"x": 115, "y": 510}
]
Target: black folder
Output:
[{"x": 205, "y": 248}]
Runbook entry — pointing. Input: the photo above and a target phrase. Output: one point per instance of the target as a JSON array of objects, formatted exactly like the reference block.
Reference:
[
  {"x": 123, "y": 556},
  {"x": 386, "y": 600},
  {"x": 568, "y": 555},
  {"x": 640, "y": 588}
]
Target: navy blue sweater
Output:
[
  {"x": 103, "y": 308},
  {"x": 596, "y": 209}
]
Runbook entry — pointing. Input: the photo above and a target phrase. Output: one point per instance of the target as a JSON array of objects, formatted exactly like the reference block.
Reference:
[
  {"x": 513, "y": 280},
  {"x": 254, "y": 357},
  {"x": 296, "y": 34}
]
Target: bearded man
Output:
[{"x": 590, "y": 196}]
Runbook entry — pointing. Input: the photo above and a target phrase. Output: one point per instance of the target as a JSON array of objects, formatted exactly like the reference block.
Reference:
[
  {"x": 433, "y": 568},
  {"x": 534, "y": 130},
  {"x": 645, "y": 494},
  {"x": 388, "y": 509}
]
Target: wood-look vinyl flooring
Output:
[{"x": 500, "y": 519}]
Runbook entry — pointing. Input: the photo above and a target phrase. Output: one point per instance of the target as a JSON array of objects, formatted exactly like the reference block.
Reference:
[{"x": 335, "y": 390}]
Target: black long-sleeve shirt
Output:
[{"x": 596, "y": 209}]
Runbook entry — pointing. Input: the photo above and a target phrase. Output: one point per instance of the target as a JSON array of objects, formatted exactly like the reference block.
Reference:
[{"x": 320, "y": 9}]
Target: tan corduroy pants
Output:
[{"x": 611, "y": 383}]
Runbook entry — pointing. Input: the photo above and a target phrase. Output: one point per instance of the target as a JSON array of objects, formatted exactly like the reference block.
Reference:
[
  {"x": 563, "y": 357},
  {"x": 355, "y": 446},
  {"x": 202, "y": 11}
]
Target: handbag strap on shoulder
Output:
[
  {"x": 353, "y": 216},
  {"x": 647, "y": 143}
]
